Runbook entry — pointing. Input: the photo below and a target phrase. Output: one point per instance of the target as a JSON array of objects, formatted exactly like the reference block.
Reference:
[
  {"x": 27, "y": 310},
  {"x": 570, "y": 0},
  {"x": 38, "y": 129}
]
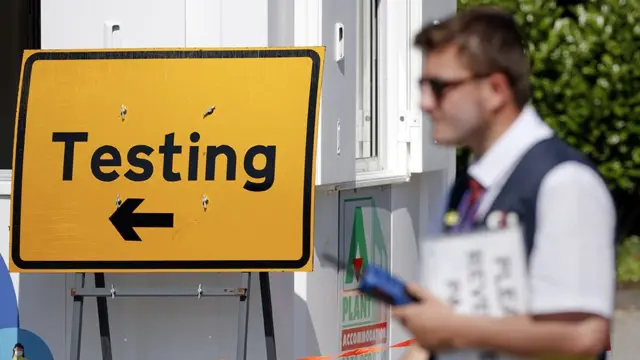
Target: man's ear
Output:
[{"x": 497, "y": 91}]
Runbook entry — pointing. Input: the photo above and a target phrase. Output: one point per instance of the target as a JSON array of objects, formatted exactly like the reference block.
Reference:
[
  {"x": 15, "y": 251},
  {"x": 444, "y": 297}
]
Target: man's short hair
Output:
[{"x": 488, "y": 41}]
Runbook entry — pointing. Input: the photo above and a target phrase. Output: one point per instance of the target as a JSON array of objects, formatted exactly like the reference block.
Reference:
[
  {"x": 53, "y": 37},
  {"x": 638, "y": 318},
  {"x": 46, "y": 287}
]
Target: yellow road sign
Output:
[{"x": 166, "y": 160}]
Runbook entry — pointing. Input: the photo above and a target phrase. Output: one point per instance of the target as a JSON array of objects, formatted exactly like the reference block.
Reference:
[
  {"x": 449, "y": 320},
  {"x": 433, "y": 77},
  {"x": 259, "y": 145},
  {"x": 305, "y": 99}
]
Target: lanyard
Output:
[{"x": 467, "y": 213}]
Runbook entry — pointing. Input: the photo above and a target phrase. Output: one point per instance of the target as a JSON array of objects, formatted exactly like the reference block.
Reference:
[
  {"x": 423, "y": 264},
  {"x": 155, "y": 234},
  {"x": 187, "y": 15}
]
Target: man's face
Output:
[{"x": 452, "y": 98}]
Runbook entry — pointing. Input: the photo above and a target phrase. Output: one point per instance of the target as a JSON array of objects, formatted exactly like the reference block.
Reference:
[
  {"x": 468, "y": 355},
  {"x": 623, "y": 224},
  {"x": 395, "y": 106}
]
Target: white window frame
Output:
[
  {"x": 391, "y": 165},
  {"x": 368, "y": 105}
]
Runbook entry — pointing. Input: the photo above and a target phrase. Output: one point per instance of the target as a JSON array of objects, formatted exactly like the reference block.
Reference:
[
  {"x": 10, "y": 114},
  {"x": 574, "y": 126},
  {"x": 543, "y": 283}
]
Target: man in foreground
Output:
[{"x": 475, "y": 87}]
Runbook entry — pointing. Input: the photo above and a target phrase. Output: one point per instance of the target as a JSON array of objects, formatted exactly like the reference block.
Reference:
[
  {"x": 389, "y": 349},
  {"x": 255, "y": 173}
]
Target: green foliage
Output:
[
  {"x": 629, "y": 260},
  {"x": 586, "y": 84},
  {"x": 586, "y": 77}
]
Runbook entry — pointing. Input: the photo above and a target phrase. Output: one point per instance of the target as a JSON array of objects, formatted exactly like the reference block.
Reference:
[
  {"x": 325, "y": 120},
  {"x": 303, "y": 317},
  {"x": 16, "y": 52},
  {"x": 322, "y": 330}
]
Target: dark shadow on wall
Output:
[{"x": 311, "y": 347}]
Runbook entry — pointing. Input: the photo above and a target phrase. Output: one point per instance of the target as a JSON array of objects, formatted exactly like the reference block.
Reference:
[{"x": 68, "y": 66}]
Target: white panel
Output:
[
  {"x": 203, "y": 23},
  {"x": 437, "y": 9},
  {"x": 5, "y": 182},
  {"x": 307, "y": 26},
  {"x": 307, "y": 22},
  {"x": 226, "y": 23},
  {"x": 425, "y": 154},
  {"x": 244, "y": 23},
  {"x": 394, "y": 91},
  {"x": 281, "y": 23},
  {"x": 405, "y": 205},
  {"x": 5, "y": 206},
  {"x": 78, "y": 24},
  {"x": 337, "y": 127},
  {"x": 316, "y": 301}
]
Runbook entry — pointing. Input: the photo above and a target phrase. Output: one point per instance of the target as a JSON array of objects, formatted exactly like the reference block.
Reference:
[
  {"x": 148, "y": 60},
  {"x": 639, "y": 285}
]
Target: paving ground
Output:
[{"x": 626, "y": 329}]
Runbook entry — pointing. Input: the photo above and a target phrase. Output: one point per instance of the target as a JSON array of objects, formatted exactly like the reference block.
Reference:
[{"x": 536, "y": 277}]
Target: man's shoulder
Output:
[
  {"x": 568, "y": 167},
  {"x": 558, "y": 151},
  {"x": 573, "y": 176},
  {"x": 576, "y": 193},
  {"x": 554, "y": 172},
  {"x": 554, "y": 158}
]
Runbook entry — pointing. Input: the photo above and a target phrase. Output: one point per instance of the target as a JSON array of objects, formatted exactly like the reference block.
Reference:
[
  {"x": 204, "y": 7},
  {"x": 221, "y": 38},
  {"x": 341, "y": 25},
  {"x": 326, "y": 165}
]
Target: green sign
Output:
[{"x": 364, "y": 241}]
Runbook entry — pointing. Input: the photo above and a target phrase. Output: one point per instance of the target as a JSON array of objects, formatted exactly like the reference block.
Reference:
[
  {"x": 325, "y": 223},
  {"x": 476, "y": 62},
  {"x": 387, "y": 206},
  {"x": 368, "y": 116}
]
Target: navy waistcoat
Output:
[{"x": 520, "y": 191}]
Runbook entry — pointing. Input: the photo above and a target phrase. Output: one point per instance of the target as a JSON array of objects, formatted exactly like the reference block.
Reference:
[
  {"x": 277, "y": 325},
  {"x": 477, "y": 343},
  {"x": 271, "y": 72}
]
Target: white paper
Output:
[{"x": 479, "y": 273}]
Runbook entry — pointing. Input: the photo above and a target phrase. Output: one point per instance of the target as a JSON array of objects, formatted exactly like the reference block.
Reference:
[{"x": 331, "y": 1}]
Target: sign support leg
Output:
[
  {"x": 99, "y": 291},
  {"x": 76, "y": 320},
  {"x": 267, "y": 316},
  {"x": 243, "y": 317},
  {"x": 103, "y": 319}
]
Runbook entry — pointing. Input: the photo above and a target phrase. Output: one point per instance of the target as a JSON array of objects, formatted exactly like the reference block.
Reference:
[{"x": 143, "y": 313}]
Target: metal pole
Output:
[
  {"x": 103, "y": 320},
  {"x": 76, "y": 320},
  {"x": 267, "y": 316},
  {"x": 196, "y": 292},
  {"x": 243, "y": 316}
]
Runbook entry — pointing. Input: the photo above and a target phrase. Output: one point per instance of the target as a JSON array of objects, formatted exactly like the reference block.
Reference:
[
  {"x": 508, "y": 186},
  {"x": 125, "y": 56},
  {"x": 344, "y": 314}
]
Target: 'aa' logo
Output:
[{"x": 359, "y": 248}]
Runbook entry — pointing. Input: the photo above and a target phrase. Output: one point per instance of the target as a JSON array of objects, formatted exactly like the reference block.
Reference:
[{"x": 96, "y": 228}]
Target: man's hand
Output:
[
  {"x": 436, "y": 328},
  {"x": 415, "y": 352},
  {"x": 429, "y": 320}
]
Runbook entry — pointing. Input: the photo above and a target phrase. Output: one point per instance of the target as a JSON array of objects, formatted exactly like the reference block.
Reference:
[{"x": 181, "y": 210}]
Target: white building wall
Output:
[{"x": 306, "y": 308}]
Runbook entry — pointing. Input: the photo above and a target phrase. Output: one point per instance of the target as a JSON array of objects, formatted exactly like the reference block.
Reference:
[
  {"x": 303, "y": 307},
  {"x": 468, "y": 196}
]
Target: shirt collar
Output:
[{"x": 527, "y": 130}]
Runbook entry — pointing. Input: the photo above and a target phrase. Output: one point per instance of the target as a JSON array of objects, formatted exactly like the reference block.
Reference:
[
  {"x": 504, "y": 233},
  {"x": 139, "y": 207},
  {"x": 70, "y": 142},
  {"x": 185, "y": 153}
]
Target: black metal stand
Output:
[
  {"x": 101, "y": 293},
  {"x": 103, "y": 320},
  {"x": 267, "y": 316}
]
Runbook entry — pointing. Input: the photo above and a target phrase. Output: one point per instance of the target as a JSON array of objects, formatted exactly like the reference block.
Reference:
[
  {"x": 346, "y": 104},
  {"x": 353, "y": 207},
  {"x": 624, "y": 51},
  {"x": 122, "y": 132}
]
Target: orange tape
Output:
[{"x": 360, "y": 351}]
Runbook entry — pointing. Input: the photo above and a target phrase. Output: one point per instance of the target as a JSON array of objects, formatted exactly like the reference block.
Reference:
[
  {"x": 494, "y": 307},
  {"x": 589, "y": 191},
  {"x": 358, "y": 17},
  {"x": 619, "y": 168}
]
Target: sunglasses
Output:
[{"x": 439, "y": 86}]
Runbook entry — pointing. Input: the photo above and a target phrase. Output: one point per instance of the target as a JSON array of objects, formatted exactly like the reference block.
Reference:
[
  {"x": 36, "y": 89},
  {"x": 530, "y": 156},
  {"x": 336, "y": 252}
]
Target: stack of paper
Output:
[{"x": 479, "y": 273}]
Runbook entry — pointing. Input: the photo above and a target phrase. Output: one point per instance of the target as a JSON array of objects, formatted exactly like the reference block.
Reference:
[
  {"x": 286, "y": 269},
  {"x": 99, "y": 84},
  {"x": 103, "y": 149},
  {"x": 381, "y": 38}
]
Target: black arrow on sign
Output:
[{"x": 124, "y": 220}]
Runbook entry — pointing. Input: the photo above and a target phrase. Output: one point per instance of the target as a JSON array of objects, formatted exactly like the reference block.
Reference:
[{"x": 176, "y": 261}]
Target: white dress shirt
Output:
[{"x": 572, "y": 264}]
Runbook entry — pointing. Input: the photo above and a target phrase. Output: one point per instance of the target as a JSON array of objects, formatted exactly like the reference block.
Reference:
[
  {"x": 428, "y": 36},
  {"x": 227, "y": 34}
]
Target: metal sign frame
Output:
[{"x": 101, "y": 293}]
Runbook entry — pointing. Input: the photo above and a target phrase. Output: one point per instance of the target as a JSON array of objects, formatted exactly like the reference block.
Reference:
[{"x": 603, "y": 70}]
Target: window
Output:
[
  {"x": 368, "y": 121},
  {"x": 20, "y": 26}
]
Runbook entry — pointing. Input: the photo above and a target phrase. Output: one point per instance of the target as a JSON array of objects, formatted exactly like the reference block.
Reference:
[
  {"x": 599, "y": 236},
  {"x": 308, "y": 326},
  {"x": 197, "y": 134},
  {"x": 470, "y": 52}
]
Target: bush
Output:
[
  {"x": 629, "y": 261},
  {"x": 586, "y": 85}
]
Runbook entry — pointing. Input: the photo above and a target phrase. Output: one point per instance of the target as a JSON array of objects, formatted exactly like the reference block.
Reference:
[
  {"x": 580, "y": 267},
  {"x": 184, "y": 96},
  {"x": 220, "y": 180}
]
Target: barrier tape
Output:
[
  {"x": 406, "y": 343},
  {"x": 360, "y": 351}
]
